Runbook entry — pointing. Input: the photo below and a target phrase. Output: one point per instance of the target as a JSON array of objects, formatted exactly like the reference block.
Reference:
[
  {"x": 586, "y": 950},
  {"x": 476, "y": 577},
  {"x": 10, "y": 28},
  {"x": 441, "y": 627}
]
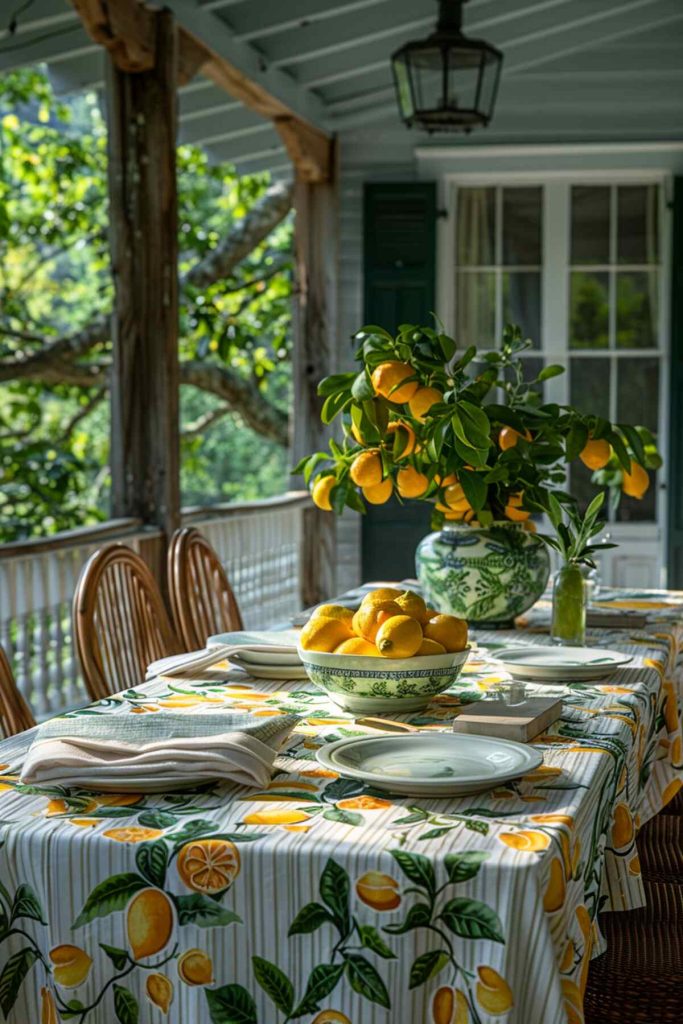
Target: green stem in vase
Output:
[{"x": 569, "y": 606}]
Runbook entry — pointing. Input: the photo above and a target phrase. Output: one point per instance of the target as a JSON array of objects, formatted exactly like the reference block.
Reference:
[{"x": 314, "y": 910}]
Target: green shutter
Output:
[
  {"x": 399, "y": 287},
  {"x": 675, "y": 526}
]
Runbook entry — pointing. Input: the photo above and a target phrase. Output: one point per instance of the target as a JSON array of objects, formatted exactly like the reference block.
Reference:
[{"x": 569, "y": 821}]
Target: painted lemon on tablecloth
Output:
[
  {"x": 209, "y": 865},
  {"x": 149, "y": 922}
]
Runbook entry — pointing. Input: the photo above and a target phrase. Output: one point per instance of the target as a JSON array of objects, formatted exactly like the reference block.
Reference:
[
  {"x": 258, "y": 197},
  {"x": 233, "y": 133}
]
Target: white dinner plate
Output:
[
  {"x": 269, "y": 671},
  {"x": 430, "y": 764},
  {"x": 283, "y": 643},
  {"x": 561, "y": 664}
]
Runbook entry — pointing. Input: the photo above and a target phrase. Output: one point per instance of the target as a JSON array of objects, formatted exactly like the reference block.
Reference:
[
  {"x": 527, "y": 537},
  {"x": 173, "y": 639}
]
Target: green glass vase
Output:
[{"x": 569, "y": 607}]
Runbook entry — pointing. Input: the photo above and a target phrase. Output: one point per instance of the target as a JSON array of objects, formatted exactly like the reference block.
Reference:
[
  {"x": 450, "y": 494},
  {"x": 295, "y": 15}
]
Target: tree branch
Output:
[
  {"x": 281, "y": 260},
  {"x": 54, "y": 363},
  {"x": 243, "y": 396},
  {"x": 205, "y": 422},
  {"x": 84, "y": 411}
]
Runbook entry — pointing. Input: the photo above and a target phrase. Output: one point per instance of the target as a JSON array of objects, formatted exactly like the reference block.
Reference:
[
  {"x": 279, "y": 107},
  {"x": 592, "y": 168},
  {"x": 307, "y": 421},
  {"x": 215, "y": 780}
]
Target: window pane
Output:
[
  {"x": 589, "y": 310},
  {"x": 637, "y": 235},
  {"x": 644, "y": 511},
  {"x": 638, "y": 392},
  {"x": 637, "y": 309},
  {"x": 522, "y": 226},
  {"x": 522, "y": 302},
  {"x": 476, "y": 227},
  {"x": 590, "y": 224},
  {"x": 589, "y": 385},
  {"x": 475, "y": 313}
]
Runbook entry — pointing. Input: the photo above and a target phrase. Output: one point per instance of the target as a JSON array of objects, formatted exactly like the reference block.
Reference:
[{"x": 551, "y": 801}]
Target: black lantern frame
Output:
[{"x": 447, "y": 82}]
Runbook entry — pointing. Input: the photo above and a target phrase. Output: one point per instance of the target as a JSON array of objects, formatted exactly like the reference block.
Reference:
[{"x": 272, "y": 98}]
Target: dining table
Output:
[{"x": 320, "y": 899}]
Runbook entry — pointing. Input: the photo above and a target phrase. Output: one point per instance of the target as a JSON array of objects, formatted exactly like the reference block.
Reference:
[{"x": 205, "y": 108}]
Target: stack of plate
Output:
[
  {"x": 561, "y": 664},
  {"x": 263, "y": 654}
]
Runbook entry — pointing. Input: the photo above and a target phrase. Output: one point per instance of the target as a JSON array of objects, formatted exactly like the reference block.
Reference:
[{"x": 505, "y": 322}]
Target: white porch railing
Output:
[{"x": 260, "y": 544}]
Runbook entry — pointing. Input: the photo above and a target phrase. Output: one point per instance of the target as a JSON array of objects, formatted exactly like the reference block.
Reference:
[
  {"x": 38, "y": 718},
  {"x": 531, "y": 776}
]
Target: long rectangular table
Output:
[{"x": 319, "y": 900}]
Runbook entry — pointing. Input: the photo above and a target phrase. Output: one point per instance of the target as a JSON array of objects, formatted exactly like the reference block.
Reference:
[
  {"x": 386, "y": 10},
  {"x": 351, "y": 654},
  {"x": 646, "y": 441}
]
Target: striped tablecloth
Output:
[{"x": 318, "y": 900}]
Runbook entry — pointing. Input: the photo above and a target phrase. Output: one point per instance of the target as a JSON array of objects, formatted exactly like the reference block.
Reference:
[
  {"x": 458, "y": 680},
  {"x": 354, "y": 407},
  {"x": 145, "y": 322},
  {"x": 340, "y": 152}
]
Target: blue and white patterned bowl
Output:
[{"x": 382, "y": 685}]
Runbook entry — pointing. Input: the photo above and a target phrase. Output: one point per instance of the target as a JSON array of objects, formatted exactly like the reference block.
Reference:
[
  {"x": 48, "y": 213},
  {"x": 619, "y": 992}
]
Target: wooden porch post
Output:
[
  {"x": 142, "y": 115},
  {"x": 315, "y": 332}
]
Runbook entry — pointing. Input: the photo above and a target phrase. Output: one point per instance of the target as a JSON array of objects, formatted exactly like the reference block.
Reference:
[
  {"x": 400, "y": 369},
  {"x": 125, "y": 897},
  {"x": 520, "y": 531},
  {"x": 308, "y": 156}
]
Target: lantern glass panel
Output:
[
  {"x": 403, "y": 90},
  {"x": 426, "y": 72},
  {"x": 489, "y": 83},
  {"x": 462, "y": 81}
]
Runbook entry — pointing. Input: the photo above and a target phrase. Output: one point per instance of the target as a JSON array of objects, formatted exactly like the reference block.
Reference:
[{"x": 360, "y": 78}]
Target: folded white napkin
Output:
[
  {"x": 155, "y": 752},
  {"x": 221, "y": 649}
]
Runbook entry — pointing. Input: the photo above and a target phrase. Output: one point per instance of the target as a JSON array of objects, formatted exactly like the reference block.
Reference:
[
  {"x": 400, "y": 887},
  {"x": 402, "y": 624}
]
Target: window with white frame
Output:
[{"x": 577, "y": 264}]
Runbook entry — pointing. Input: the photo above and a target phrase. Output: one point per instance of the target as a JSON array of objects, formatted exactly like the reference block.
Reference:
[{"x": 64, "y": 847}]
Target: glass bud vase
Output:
[{"x": 569, "y": 607}]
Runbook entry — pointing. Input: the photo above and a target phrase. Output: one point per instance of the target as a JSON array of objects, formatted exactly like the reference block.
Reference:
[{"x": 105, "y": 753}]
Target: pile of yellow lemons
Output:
[{"x": 390, "y": 623}]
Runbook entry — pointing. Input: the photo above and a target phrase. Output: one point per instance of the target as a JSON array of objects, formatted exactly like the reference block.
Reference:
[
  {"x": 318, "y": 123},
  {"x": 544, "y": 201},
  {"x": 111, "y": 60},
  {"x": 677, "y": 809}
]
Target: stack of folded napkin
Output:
[
  {"x": 277, "y": 648},
  {"x": 155, "y": 752}
]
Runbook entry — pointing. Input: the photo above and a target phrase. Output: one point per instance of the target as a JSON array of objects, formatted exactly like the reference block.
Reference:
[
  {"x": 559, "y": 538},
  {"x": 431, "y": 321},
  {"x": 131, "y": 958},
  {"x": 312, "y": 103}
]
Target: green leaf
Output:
[
  {"x": 274, "y": 983},
  {"x": 27, "y": 904},
  {"x": 419, "y": 916},
  {"x": 335, "y": 383},
  {"x": 620, "y": 450},
  {"x": 417, "y": 868},
  {"x": 503, "y": 414},
  {"x": 125, "y": 1006},
  {"x": 151, "y": 860},
  {"x": 119, "y": 957},
  {"x": 192, "y": 830},
  {"x": 110, "y": 895},
  {"x": 552, "y": 370},
  {"x": 371, "y": 939},
  {"x": 465, "y": 865},
  {"x": 576, "y": 441},
  {"x": 203, "y": 911},
  {"x": 366, "y": 981},
  {"x": 333, "y": 405},
  {"x": 472, "y": 919},
  {"x": 474, "y": 488},
  {"x": 13, "y": 973},
  {"x": 321, "y": 981},
  {"x": 634, "y": 441},
  {"x": 231, "y": 1004},
  {"x": 594, "y": 507},
  {"x": 343, "y": 817},
  {"x": 157, "y": 819},
  {"x": 448, "y": 347},
  {"x": 476, "y": 417},
  {"x": 427, "y": 966},
  {"x": 309, "y": 919},
  {"x": 362, "y": 388},
  {"x": 334, "y": 892}
]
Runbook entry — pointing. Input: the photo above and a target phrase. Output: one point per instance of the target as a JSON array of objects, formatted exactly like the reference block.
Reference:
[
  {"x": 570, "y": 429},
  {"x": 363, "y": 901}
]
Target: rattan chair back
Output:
[
  {"x": 120, "y": 622},
  {"x": 202, "y": 600},
  {"x": 15, "y": 714}
]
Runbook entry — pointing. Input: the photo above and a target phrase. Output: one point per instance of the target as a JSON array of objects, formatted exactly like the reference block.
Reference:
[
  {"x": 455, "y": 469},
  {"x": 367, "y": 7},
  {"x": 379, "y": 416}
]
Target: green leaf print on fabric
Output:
[
  {"x": 231, "y": 1004},
  {"x": 427, "y": 966},
  {"x": 203, "y": 911},
  {"x": 13, "y": 974},
  {"x": 365, "y": 980},
  {"x": 26, "y": 904},
  {"x": 471, "y": 919},
  {"x": 274, "y": 983},
  {"x": 334, "y": 892},
  {"x": 152, "y": 861},
  {"x": 110, "y": 895},
  {"x": 322, "y": 980},
  {"x": 309, "y": 919},
  {"x": 125, "y": 1006},
  {"x": 463, "y": 866}
]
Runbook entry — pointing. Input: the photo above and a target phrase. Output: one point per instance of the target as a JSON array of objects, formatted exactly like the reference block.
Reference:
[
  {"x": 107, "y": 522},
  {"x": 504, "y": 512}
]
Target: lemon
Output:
[
  {"x": 381, "y": 594},
  {"x": 369, "y": 617},
  {"x": 149, "y": 923},
  {"x": 493, "y": 992},
  {"x": 449, "y": 1006},
  {"x": 48, "y": 1008},
  {"x": 412, "y": 604},
  {"x": 195, "y": 968},
  {"x": 321, "y": 492},
  {"x": 509, "y": 437},
  {"x": 366, "y": 469},
  {"x": 160, "y": 991},
  {"x": 358, "y": 645},
  {"x": 333, "y": 611},
  {"x": 208, "y": 865},
  {"x": 455, "y": 499},
  {"x": 422, "y": 401},
  {"x": 379, "y": 494},
  {"x": 428, "y": 647},
  {"x": 596, "y": 454},
  {"x": 410, "y": 483},
  {"x": 322, "y": 634},
  {"x": 378, "y": 891},
  {"x": 553, "y": 898},
  {"x": 407, "y": 436},
  {"x": 636, "y": 482},
  {"x": 331, "y": 1017},
  {"x": 447, "y": 630},
  {"x": 72, "y": 965},
  {"x": 387, "y": 380},
  {"x": 399, "y": 637}
]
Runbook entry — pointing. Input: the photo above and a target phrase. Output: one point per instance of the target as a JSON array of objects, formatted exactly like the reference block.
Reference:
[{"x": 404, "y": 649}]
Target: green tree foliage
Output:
[{"x": 56, "y": 294}]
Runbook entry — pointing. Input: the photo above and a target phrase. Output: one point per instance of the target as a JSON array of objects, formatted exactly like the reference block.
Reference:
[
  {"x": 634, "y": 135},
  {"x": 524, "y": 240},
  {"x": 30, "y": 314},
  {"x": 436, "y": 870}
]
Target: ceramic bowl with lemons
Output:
[{"x": 391, "y": 656}]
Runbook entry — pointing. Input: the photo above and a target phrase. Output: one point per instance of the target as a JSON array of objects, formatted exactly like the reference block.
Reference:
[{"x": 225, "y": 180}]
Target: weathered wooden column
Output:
[
  {"x": 142, "y": 121},
  {"x": 315, "y": 328}
]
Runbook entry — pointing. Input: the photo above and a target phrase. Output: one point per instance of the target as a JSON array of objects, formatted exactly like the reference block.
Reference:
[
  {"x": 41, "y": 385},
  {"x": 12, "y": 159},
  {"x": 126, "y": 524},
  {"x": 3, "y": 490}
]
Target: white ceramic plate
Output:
[
  {"x": 283, "y": 643},
  {"x": 269, "y": 671},
  {"x": 561, "y": 664},
  {"x": 430, "y": 764}
]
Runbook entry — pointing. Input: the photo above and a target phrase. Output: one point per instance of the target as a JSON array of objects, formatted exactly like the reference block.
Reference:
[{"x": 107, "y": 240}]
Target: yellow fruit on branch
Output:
[
  {"x": 195, "y": 968},
  {"x": 399, "y": 637},
  {"x": 160, "y": 991},
  {"x": 320, "y": 491},
  {"x": 322, "y": 634},
  {"x": 447, "y": 630},
  {"x": 493, "y": 992},
  {"x": 378, "y": 891},
  {"x": 422, "y": 401},
  {"x": 371, "y": 615},
  {"x": 380, "y": 493},
  {"x": 406, "y": 438},
  {"x": 366, "y": 469},
  {"x": 149, "y": 923},
  {"x": 509, "y": 437},
  {"x": 636, "y": 482},
  {"x": 359, "y": 646},
  {"x": 71, "y": 965},
  {"x": 388, "y": 378},
  {"x": 513, "y": 510},
  {"x": 209, "y": 865},
  {"x": 596, "y": 454},
  {"x": 410, "y": 483},
  {"x": 412, "y": 604}
]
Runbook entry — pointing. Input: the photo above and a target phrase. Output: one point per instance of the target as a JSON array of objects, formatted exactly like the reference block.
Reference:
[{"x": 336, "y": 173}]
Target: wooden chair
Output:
[
  {"x": 202, "y": 600},
  {"x": 15, "y": 714},
  {"x": 120, "y": 622}
]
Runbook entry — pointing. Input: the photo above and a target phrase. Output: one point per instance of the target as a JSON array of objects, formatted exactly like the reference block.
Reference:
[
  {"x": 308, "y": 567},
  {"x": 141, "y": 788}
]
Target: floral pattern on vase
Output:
[{"x": 487, "y": 575}]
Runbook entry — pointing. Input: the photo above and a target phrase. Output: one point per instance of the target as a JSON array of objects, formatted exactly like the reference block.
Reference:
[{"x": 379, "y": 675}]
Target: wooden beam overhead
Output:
[
  {"x": 309, "y": 150},
  {"x": 126, "y": 29}
]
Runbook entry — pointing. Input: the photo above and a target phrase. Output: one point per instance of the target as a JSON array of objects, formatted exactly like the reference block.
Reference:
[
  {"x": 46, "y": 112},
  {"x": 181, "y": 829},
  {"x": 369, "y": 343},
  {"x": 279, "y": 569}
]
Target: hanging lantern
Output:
[{"x": 447, "y": 82}]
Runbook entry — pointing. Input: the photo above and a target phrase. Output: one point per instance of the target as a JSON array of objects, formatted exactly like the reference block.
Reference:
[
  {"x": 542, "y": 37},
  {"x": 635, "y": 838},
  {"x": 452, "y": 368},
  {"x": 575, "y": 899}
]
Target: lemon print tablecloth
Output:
[{"x": 318, "y": 900}]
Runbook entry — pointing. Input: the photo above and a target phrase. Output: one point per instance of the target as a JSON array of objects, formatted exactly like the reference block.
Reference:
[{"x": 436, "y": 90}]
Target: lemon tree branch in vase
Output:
[{"x": 470, "y": 434}]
